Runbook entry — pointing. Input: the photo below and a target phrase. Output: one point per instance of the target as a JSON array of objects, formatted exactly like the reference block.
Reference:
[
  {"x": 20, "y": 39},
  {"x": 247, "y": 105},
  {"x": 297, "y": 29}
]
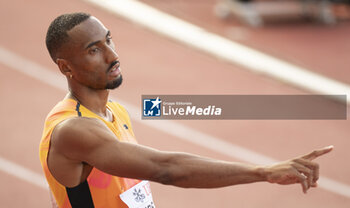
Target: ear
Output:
[{"x": 64, "y": 66}]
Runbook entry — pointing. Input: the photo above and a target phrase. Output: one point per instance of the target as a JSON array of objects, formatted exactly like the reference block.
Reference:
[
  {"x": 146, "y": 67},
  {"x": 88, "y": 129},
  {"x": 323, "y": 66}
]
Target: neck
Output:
[{"x": 94, "y": 100}]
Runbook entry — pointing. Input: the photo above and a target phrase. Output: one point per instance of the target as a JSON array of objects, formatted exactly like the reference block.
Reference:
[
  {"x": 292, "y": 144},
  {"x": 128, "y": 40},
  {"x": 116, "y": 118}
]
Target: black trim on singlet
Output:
[
  {"x": 80, "y": 196},
  {"x": 77, "y": 108}
]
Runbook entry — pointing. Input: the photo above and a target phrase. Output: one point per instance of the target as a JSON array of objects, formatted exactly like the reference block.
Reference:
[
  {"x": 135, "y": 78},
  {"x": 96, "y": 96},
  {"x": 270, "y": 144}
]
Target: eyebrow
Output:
[{"x": 96, "y": 42}]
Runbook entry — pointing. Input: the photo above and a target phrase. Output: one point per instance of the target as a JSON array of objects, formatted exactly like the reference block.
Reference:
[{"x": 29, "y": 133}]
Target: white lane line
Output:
[
  {"x": 172, "y": 128},
  {"x": 22, "y": 173},
  {"x": 223, "y": 48}
]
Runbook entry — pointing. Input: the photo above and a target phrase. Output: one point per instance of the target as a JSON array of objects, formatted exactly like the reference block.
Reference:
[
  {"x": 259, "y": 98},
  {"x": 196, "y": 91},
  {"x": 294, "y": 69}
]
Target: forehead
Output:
[{"x": 88, "y": 31}]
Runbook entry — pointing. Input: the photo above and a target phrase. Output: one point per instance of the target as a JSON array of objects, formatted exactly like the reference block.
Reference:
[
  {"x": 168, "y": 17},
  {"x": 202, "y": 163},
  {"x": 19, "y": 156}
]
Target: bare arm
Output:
[{"x": 90, "y": 141}]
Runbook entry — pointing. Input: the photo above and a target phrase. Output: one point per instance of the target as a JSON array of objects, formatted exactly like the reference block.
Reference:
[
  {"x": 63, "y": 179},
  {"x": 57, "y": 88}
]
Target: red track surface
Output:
[{"x": 153, "y": 64}]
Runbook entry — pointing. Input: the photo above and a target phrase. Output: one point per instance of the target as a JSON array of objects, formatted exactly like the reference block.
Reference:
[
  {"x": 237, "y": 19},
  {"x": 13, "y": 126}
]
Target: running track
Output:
[{"x": 154, "y": 64}]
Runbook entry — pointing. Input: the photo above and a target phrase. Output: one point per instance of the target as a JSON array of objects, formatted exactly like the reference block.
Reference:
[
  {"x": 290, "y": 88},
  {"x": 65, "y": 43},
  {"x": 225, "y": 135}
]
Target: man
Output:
[{"x": 88, "y": 151}]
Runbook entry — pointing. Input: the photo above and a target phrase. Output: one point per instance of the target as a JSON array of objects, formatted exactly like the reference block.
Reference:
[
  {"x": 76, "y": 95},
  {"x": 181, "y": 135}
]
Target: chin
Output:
[{"x": 115, "y": 83}]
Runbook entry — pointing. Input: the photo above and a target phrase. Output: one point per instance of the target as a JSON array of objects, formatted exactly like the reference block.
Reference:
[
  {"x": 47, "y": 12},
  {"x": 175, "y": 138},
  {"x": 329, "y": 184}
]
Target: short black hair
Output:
[{"x": 57, "y": 32}]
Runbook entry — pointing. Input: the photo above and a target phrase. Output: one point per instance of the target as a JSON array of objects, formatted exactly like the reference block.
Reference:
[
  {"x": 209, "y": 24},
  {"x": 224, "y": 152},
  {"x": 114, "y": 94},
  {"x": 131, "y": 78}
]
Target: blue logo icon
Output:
[{"x": 152, "y": 107}]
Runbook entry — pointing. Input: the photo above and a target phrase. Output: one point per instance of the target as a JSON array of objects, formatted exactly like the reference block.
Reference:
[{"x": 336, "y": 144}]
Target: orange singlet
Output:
[{"x": 100, "y": 189}]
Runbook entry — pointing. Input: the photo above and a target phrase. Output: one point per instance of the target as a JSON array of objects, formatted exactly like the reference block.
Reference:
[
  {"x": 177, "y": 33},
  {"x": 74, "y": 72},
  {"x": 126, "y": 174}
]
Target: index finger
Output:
[{"x": 316, "y": 153}]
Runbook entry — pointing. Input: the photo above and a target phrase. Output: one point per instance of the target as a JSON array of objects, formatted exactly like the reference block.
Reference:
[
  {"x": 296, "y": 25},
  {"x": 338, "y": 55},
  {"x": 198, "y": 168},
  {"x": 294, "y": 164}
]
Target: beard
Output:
[{"x": 115, "y": 83}]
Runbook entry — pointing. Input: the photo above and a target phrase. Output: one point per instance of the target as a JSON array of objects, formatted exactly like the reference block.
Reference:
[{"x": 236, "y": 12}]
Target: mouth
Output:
[{"x": 115, "y": 70}]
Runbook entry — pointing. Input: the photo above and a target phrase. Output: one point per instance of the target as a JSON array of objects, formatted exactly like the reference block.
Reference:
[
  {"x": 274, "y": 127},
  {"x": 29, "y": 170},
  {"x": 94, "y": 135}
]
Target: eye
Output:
[
  {"x": 93, "y": 51},
  {"x": 109, "y": 40}
]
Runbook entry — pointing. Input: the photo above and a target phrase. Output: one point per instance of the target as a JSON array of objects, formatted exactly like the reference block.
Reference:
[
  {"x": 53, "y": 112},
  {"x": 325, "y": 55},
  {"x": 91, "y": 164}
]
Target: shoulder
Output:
[
  {"x": 76, "y": 125},
  {"x": 79, "y": 133}
]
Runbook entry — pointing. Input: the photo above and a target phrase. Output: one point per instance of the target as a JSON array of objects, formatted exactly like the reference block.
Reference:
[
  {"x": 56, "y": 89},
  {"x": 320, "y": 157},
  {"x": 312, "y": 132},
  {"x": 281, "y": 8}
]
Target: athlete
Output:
[{"x": 88, "y": 152}]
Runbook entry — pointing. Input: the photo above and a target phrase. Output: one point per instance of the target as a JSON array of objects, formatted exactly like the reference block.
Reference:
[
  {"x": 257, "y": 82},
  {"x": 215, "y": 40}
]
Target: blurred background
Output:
[{"x": 211, "y": 47}]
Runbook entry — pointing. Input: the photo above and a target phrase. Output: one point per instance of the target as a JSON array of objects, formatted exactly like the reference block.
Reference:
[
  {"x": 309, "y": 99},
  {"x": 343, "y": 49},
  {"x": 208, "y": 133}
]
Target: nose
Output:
[{"x": 111, "y": 55}]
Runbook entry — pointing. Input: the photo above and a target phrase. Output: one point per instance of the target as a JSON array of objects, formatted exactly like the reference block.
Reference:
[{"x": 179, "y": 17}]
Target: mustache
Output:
[{"x": 112, "y": 65}]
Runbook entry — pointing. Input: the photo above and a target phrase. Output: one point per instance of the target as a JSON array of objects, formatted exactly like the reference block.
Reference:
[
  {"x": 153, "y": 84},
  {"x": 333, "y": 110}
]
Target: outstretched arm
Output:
[{"x": 90, "y": 141}]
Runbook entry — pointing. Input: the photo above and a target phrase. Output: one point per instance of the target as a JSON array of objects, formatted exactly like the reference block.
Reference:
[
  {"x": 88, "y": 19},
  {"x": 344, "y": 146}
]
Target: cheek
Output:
[
  {"x": 90, "y": 69},
  {"x": 89, "y": 65}
]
